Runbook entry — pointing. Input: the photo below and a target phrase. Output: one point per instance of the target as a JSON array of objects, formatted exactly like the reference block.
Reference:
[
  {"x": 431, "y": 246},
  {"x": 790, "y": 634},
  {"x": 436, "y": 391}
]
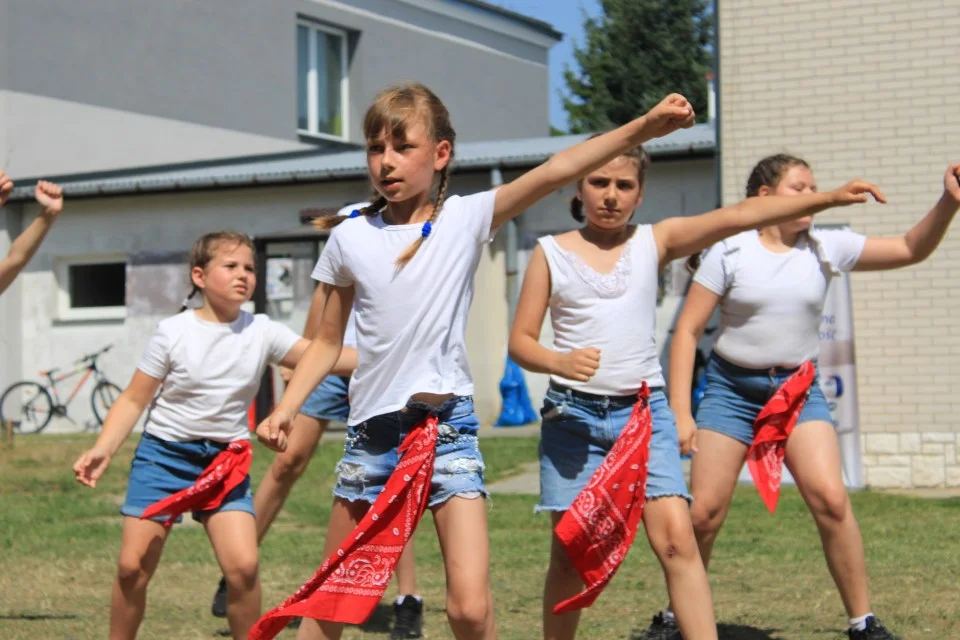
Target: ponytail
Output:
[{"x": 186, "y": 301}]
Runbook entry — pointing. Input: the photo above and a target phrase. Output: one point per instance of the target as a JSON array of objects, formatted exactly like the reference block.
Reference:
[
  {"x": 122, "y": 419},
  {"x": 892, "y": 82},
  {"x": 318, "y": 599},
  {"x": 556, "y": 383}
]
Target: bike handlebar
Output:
[{"x": 93, "y": 356}]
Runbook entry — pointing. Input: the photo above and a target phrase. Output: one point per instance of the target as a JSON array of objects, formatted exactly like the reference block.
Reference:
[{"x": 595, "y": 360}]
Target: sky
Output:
[{"x": 566, "y": 16}]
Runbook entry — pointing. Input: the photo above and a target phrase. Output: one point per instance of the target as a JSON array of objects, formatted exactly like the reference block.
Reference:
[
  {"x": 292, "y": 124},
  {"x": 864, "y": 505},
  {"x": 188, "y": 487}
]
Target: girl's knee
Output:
[
  {"x": 242, "y": 573},
  {"x": 131, "y": 572},
  {"x": 674, "y": 540},
  {"x": 707, "y": 518},
  {"x": 288, "y": 466},
  {"x": 831, "y": 505},
  {"x": 469, "y": 612}
]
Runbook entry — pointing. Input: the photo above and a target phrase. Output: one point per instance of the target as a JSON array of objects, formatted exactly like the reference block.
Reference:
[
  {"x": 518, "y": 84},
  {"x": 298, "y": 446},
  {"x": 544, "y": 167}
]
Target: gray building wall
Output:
[
  {"x": 102, "y": 84},
  {"x": 33, "y": 336}
]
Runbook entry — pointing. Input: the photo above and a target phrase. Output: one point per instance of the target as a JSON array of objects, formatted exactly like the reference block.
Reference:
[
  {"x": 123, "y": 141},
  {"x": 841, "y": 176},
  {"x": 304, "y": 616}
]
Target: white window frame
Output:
[
  {"x": 62, "y": 302},
  {"x": 313, "y": 101}
]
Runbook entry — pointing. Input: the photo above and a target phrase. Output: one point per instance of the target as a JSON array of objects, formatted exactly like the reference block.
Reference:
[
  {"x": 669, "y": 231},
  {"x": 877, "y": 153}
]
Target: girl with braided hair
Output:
[{"x": 406, "y": 264}]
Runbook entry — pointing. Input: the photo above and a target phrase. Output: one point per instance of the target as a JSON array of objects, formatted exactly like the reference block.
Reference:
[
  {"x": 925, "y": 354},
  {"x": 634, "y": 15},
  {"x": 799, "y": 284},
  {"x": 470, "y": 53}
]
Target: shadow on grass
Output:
[
  {"x": 379, "y": 622},
  {"x": 731, "y": 632},
  {"x": 744, "y": 632},
  {"x": 39, "y": 616}
]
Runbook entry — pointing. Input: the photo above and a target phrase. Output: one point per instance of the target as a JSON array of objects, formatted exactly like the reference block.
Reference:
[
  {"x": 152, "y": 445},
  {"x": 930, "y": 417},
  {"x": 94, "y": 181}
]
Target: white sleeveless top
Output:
[{"x": 614, "y": 312}]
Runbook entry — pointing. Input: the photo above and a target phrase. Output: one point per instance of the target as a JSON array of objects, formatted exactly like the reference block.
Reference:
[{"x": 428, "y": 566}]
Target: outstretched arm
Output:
[
  {"x": 679, "y": 237},
  {"x": 50, "y": 197},
  {"x": 920, "y": 241},
  {"x": 571, "y": 164}
]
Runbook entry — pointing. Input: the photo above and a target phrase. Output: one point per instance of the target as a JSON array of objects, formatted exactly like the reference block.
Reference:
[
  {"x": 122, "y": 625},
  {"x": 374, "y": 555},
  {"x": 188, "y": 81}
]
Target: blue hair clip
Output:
[
  {"x": 427, "y": 228},
  {"x": 354, "y": 214}
]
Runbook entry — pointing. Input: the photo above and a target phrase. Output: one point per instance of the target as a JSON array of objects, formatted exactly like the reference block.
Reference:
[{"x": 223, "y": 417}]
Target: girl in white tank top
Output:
[{"x": 600, "y": 284}]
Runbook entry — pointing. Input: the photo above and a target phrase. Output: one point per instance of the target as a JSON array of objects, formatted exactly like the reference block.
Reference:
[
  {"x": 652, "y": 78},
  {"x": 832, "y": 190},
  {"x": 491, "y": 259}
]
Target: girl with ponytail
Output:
[
  {"x": 606, "y": 399},
  {"x": 770, "y": 285}
]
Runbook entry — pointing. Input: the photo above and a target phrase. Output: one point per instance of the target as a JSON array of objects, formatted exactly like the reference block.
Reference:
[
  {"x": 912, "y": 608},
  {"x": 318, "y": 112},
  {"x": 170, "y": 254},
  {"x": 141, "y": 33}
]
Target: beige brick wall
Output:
[{"x": 866, "y": 88}]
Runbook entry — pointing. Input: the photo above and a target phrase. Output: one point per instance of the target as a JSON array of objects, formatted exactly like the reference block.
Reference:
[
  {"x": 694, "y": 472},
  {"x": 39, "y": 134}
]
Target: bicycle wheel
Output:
[
  {"x": 28, "y": 406},
  {"x": 102, "y": 398}
]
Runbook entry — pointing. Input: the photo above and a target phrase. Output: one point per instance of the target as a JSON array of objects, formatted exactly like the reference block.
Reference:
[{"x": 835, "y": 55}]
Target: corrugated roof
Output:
[
  {"x": 541, "y": 26},
  {"x": 313, "y": 166}
]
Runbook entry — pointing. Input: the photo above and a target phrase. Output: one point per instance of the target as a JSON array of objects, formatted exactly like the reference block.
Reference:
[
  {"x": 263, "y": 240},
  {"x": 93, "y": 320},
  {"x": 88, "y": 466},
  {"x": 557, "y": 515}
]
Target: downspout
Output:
[{"x": 512, "y": 254}]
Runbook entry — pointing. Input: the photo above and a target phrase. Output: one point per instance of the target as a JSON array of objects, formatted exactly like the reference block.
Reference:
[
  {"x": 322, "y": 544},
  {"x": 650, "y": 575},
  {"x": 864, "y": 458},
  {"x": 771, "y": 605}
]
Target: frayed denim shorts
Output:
[
  {"x": 577, "y": 434},
  {"x": 370, "y": 452}
]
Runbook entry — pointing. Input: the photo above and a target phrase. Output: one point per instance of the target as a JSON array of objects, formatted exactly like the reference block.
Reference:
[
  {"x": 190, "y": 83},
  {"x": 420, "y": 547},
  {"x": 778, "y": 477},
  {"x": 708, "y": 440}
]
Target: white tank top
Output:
[{"x": 614, "y": 312}]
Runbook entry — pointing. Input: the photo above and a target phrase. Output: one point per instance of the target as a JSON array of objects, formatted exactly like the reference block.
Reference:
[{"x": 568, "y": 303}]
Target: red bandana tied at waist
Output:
[
  {"x": 598, "y": 529},
  {"x": 351, "y": 582},
  {"x": 227, "y": 471},
  {"x": 771, "y": 430}
]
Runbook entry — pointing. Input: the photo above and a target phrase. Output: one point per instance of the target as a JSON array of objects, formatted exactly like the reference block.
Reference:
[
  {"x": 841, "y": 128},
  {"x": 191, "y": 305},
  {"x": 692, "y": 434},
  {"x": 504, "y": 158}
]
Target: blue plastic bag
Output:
[{"x": 517, "y": 409}]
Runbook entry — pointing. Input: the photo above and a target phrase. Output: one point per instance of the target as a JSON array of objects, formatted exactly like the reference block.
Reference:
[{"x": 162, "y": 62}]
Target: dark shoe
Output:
[
  {"x": 219, "y": 606},
  {"x": 662, "y": 628},
  {"x": 874, "y": 631},
  {"x": 407, "y": 619}
]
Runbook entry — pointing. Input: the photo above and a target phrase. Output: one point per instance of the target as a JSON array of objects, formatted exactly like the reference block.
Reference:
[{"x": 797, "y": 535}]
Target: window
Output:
[
  {"x": 321, "y": 81},
  {"x": 91, "y": 287}
]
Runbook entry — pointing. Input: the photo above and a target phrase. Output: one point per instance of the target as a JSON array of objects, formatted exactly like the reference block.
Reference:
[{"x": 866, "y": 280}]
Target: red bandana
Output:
[
  {"x": 350, "y": 583},
  {"x": 771, "y": 430},
  {"x": 602, "y": 522},
  {"x": 227, "y": 471}
]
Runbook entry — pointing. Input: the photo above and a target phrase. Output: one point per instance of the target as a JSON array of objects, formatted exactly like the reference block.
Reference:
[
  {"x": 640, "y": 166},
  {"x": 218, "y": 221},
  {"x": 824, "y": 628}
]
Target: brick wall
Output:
[{"x": 866, "y": 88}]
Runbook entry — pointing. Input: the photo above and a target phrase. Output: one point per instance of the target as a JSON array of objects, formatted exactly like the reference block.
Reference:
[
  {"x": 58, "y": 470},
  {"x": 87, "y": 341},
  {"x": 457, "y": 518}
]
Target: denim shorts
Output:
[
  {"x": 734, "y": 396},
  {"x": 329, "y": 400},
  {"x": 578, "y": 433},
  {"x": 161, "y": 468},
  {"x": 370, "y": 452}
]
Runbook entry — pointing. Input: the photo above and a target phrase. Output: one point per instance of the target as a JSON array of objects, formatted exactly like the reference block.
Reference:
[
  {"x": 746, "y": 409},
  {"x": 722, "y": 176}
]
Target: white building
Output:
[{"x": 115, "y": 263}]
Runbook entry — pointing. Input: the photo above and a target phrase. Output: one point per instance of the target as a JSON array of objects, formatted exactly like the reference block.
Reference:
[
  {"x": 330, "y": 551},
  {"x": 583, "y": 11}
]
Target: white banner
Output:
[{"x": 838, "y": 375}]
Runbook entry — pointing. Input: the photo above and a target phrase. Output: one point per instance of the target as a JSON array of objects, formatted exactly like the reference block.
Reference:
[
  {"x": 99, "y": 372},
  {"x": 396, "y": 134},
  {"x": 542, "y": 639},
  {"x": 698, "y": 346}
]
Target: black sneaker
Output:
[
  {"x": 874, "y": 631},
  {"x": 219, "y": 606},
  {"x": 662, "y": 628},
  {"x": 407, "y": 619}
]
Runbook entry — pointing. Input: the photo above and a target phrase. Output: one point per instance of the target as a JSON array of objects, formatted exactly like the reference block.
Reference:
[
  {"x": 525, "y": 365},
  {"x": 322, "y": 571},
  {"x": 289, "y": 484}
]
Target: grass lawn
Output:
[{"x": 59, "y": 543}]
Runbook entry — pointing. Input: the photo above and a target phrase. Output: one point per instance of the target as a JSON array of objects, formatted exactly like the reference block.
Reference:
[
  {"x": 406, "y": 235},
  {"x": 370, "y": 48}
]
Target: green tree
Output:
[{"x": 635, "y": 53}]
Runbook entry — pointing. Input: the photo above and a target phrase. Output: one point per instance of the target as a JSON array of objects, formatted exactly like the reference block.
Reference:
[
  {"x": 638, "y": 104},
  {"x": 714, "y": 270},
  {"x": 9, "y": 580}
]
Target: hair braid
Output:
[
  {"x": 411, "y": 251},
  {"x": 329, "y": 222}
]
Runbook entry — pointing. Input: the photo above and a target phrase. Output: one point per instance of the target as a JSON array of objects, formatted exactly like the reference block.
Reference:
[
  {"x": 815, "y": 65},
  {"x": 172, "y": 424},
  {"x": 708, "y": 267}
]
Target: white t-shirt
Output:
[
  {"x": 772, "y": 302},
  {"x": 614, "y": 312},
  {"x": 350, "y": 332},
  {"x": 411, "y": 321},
  {"x": 210, "y": 373}
]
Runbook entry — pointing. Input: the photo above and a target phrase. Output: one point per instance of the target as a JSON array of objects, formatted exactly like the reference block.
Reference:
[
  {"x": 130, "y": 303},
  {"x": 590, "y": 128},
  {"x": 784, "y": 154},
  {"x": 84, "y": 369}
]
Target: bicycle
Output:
[{"x": 30, "y": 406}]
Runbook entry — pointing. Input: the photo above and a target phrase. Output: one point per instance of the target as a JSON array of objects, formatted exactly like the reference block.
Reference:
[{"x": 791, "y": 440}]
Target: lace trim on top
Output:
[{"x": 607, "y": 285}]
